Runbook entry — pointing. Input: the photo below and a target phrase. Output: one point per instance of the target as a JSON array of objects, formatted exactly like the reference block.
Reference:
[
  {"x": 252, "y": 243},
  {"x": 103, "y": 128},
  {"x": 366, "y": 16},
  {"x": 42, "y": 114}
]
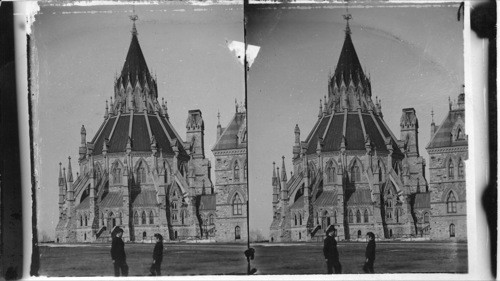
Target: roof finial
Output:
[
  {"x": 347, "y": 17},
  {"x": 134, "y": 17},
  {"x": 432, "y": 114},
  {"x": 218, "y": 117}
]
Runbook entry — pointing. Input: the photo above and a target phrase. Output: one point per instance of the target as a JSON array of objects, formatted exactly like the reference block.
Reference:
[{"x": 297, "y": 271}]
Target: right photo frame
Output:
[{"x": 358, "y": 153}]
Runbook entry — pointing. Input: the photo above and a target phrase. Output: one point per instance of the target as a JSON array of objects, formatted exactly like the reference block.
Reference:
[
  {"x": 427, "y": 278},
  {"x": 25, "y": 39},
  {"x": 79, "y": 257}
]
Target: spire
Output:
[
  {"x": 283, "y": 170},
  {"x": 218, "y": 118},
  {"x": 274, "y": 179},
  {"x": 70, "y": 172},
  {"x": 61, "y": 181}
]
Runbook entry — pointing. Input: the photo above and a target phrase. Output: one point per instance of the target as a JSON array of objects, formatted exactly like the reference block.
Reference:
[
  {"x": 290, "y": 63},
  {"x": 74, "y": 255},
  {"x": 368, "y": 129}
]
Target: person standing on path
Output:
[
  {"x": 118, "y": 252},
  {"x": 157, "y": 256},
  {"x": 330, "y": 252},
  {"x": 370, "y": 253}
]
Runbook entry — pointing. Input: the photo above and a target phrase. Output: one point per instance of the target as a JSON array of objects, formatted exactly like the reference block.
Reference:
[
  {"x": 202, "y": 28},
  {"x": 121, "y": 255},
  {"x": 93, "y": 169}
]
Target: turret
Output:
[
  {"x": 275, "y": 188},
  {"x": 61, "y": 194},
  {"x": 195, "y": 133},
  {"x": 296, "y": 147},
  {"x": 433, "y": 125},
  {"x": 409, "y": 131},
  {"x": 83, "y": 146}
]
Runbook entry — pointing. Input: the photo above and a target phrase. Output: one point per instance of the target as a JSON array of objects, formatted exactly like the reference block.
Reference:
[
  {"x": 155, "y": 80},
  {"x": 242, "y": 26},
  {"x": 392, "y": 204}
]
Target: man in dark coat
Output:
[
  {"x": 157, "y": 256},
  {"x": 118, "y": 252},
  {"x": 370, "y": 253},
  {"x": 331, "y": 253}
]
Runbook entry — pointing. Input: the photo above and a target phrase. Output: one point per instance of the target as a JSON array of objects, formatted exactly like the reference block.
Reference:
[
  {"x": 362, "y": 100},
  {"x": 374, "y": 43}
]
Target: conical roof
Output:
[
  {"x": 135, "y": 66},
  {"x": 348, "y": 65}
]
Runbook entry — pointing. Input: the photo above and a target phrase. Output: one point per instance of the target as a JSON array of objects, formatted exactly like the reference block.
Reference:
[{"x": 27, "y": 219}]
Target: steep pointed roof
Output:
[
  {"x": 348, "y": 65},
  {"x": 135, "y": 66}
]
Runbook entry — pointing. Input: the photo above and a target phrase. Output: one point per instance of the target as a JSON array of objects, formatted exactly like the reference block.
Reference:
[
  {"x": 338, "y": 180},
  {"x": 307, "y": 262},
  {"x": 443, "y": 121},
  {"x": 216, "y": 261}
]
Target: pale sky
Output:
[
  {"x": 78, "y": 50},
  {"x": 414, "y": 56}
]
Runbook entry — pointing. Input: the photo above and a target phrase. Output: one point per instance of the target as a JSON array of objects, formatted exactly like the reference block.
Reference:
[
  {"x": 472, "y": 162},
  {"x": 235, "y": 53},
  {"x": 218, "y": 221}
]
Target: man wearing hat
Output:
[
  {"x": 330, "y": 251},
  {"x": 370, "y": 253},
  {"x": 157, "y": 256},
  {"x": 118, "y": 252}
]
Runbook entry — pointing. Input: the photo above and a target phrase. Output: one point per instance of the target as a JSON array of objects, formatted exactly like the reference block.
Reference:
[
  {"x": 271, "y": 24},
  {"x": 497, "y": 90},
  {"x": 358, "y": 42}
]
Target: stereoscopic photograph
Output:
[
  {"x": 140, "y": 139},
  {"x": 358, "y": 152}
]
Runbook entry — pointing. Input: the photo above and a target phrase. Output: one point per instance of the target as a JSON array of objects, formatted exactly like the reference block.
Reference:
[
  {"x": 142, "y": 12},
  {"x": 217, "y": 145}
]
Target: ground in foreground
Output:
[{"x": 391, "y": 257}]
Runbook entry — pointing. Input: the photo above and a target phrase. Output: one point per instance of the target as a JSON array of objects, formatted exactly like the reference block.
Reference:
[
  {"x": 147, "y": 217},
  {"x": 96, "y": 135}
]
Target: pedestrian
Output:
[
  {"x": 370, "y": 253},
  {"x": 157, "y": 256},
  {"x": 330, "y": 251},
  {"x": 118, "y": 252}
]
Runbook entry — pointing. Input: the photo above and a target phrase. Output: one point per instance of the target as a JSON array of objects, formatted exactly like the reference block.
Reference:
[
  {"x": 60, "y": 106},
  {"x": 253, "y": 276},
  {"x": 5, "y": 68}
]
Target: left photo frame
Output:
[{"x": 136, "y": 171}]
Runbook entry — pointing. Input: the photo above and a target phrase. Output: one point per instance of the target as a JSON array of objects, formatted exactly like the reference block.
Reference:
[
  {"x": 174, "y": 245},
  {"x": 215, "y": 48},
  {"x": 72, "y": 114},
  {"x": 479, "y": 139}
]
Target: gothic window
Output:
[
  {"x": 141, "y": 173},
  {"x": 295, "y": 219},
  {"x": 174, "y": 205},
  {"x": 300, "y": 219},
  {"x": 237, "y": 205},
  {"x": 426, "y": 218},
  {"x": 365, "y": 215},
  {"x": 236, "y": 171},
  {"x": 351, "y": 216},
  {"x": 117, "y": 175},
  {"x": 300, "y": 236},
  {"x": 452, "y": 230},
  {"x": 359, "y": 234},
  {"x": 460, "y": 169},
  {"x": 182, "y": 217},
  {"x": 144, "y": 235},
  {"x": 328, "y": 222},
  {"x": 330, "y": 173},
  {"x": 136, "y": 218},
  {"x": 451, "y": 168},
  {"x": 237, "y": 233},
  {"x": 389, "y": 215},
  {"x": 451, "y": 203},
  {"x": 211, "y": 219},
  {"x": 355, "y": 173},
  {"x": 86, "y": 221},
  {"x": 151, "y": 218},
  {"x": 358, "y": 217},
  {"x": 397, "y": 215},
  {"x": 143, "y": 218},
  {"x": 174, "y": 216},
  {"x": 460, "y": 134},
  {"x": 390, "y": 232},
  {"x": 81, "y": 220}
]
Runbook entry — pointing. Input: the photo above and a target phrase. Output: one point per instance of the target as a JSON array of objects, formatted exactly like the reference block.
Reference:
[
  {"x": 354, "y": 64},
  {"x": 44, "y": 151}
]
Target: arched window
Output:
[
  {"x": 237, "y": 205},
  {"x": 300, "y": 219},
  {"x": 174, "y": 216},
  {"x": 330, "y": 173},
  {"x": 151, "y": 218},
  {"x": 136, "y": 218},
  {"x": 111, "y": 219},
  {"x": 451, "y": 203},
  {"x": 300, "y": 236},
  {"x": 295, "y": 219},
  {"x": 460, "y": 134},
  {"x": 144, "y": 235},
  {"x": 143, "y": 218},
  {"x": 236, "y": 171},
  {"x": 351, "y": 216},
  {"x": 117, "y": 175},
  {"x": 390, "y": 232},
  {"x": 451, "y": 169},
  {"x": 452, "y": 230},
  {"x": 182, "y": 217},
  {"x": 86, "y": 221},
  {"x": 85, "y": 236},
  {"x": 81, "y": 220},
  {"x": 365, "y": 215},
  {"x": 174, "y": 205},
  {"x": 461, "y": 169},
  {"x": 175, "y": 234},
  {"x": 211, "y": 219},
  {"x": 397, "y": 215},
  {"x": 358, "y": 217},
  {"x": 237, "y": 233},
  {"x": 355, "y": 173},
  {"x": 426, "y": 218},
  {"x": 359, "y": 234},
  {"x": 141, "y": 173}
]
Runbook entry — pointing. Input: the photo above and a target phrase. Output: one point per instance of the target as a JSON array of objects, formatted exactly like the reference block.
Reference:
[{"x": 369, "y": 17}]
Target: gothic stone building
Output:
[
  {"x": 351, "y": 171},
  {"x": 448, "y": 149},
  {"x": 137, "y": 172},
  {"x": 230, "y": 153}
]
